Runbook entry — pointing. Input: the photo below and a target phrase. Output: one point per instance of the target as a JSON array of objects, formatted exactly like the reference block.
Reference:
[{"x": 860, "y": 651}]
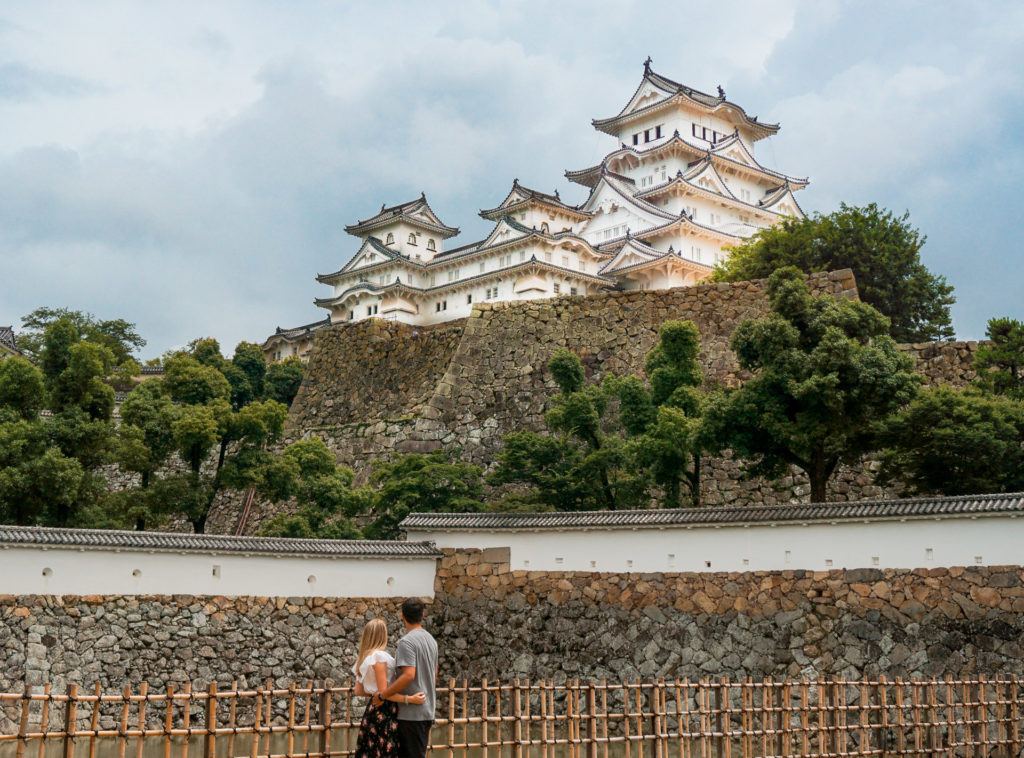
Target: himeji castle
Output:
[{"x": 665, "y": 206}]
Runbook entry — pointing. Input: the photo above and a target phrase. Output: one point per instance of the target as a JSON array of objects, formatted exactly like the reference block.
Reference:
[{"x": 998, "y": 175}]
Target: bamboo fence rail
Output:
[{"x": 707, "y": 718}]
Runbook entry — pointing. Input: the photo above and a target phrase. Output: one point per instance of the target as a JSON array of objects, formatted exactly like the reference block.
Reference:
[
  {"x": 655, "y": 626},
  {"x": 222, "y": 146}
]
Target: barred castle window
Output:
[
  {"x": 412, "y": 239},
  {"x": 431, "y": 246},
  {"x": 390, "y": 240}
]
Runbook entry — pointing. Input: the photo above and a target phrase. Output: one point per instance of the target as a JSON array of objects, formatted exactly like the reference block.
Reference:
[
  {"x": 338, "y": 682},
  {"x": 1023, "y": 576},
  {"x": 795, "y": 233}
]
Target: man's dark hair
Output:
[{"x": 412, "y": 610}]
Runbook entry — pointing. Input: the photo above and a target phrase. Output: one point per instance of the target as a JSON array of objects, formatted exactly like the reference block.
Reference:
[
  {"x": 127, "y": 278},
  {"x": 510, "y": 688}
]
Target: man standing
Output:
[{"x": 416, "y": 662}]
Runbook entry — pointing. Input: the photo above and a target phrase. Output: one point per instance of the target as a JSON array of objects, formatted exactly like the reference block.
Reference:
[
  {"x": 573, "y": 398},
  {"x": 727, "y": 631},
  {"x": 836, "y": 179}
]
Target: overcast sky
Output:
[{"x": 190, "y": 165}]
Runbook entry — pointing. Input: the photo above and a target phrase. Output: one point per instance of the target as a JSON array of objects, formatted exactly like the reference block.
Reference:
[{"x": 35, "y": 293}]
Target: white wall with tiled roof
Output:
[
  {"x": 66, "y": 570},
  {"x": 964, "y": 540}
]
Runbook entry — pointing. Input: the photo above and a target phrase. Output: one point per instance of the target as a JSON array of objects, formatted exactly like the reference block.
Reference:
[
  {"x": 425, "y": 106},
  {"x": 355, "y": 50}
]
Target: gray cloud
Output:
[
  {"x": 210, "y": 179},
  {"x": 21, "y": 82}
]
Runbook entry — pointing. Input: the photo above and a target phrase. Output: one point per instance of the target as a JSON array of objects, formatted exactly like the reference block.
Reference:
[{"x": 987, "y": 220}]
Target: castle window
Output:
[
  {"x": 469, "y": 299},
  {"x": 482, "y": 265},
  {"x": 441, "y": 306},
  {"x": 557, "y": 288},
  {"x": 351, "y": 315},
  {"x": 453, "y": 275},
  {"x": 565, "y": 261},
  {"x": 412, "y": 239},
  {"x": 636, "y": 138},
  {"x": 431, "y": 246},
  {"x": 547, "y": 256},
  {"x": 371, "y": 310},
  {"x": 544, "y": 227},
  {"x": 433, "y": 279},
  {"x": 390, "y": 240},
  {"x": 657, "y": 132},
  {"x": 572, "y": 290},
  {"x": 522, "y": 255}
]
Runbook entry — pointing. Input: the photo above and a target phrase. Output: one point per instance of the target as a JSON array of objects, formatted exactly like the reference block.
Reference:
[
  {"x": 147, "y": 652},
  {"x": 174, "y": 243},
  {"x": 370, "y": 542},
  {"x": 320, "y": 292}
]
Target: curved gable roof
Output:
[{"x": 416, "y": 212}]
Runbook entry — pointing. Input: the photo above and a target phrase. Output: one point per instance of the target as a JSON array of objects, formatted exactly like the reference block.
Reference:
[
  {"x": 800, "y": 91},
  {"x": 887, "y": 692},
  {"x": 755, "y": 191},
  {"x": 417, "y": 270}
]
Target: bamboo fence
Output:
[{"x": 708, "y": 718}]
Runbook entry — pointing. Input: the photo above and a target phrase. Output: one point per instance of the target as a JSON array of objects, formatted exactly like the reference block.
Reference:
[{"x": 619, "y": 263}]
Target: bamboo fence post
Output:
[
  {"x": 268, "y": 717},
  {"x": 143, "y": 703},
  {"x": 950, "y": 714},
  {"x": 44, "y": 721},
  {"x": 210, "y": 743},
  {"x": 659, "y": 723},
  {"x": 186, "y": 691},
  {"x": 254, "y": 746},
  {"x": 839, "y": 718},
  {"x": 786, "y": 716},
  {"x": 863, "y": 717},
  {"x": 969, "y": 719},
  {"x": 604, "y": 709},
  {"x": 122, "y": 724},
  {"x": 307, "y": 708},
  {"x": 517, "y": 723},
  {"x": 722, "y": 726},
  {"x": 999, "y": 711},
  {"x": 168, "y": 720},
  {"x": 627, "y": 724},
  {"x": 901, "y": 746},
  {"x": 884, "y": 715},
  {"x": 325, "y": 721},
  {"x": 934, "y": 734},
  {"x": 639, "y": 721},
  {"x": 679, "y": 719},
  {"x": 26, "y": 704},
  {"x": 70, "y": 721},
  {"x": 983, "y": 712},
  {"x": 805, "y": 696},
  {"x": 767, "y": 714},
  {"x": 232, "y": 719},
  {"x": 592, "y": 725},
  {"x": 465, "y": 718},
  {"x": 577, "y": 699},
  {"x": 528, "y": 717},
  {"x": 483, "y": 718},
  {"x": 703, "y": 701},
  {"x": 451, "y": 717},
  {"x": 290, "y": 734},
  {"x": 543, "y": 720},
  {"x": 569, "y": 716},
  {"x": 1014, "y": 717},
  {"x": 915, "y": 698},
  {"x": 348, "y": 719},
  {"x": 94, "y": 719},
  {"x": 821, "y": 715}
]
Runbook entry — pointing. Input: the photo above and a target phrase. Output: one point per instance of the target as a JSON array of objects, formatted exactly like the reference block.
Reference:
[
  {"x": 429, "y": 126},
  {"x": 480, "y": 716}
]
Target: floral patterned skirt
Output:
[{"x": 378, "y": 732}]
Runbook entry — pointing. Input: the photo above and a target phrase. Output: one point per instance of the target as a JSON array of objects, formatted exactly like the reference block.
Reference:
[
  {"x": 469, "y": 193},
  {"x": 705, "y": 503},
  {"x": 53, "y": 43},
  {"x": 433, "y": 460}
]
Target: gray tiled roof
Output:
[
  {"x": 7, "y": 338},
  {"x": 11, "y": 536},
  {"x": 972, "y": 505}
]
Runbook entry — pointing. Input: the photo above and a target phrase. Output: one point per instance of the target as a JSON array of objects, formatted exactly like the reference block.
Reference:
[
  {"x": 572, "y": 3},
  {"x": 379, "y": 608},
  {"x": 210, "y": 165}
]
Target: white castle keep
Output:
[{"x": 664, "y": 207}]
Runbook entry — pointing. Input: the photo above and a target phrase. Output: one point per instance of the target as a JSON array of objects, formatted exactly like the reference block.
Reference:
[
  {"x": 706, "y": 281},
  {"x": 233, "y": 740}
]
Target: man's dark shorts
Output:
[{"x": 413, "y": 738}]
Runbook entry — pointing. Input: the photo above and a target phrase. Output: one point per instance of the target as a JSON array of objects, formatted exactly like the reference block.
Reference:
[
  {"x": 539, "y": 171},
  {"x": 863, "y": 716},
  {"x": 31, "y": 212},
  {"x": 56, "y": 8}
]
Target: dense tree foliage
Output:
[
  {"x": 584, "y": 463},
  {"x": 282, "y": 380},
  {"x": 956, "y": 442},
  {"x": 664, "y": 418},
  {"x": 884, "y": 252},
  {"x": 1000, "y": 361},
  {"x": 117, "y": 335},
  {"x": 825, "y": 375},
  {"x": 49, "y": 464}
]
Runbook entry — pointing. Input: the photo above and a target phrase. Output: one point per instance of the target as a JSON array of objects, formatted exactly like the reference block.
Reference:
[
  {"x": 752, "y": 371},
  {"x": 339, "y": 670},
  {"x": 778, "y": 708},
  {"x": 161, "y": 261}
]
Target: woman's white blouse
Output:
[{"x": 366, "y": 674}]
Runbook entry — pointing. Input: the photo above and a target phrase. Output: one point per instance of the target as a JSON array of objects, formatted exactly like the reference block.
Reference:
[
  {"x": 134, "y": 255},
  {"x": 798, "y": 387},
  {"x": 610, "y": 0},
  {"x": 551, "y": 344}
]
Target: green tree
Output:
[
  {"x": 956, "y": 442},
  {"x": 39, "y": 483},
  {"x": 826, "y": 375},
  {"x": 1000, "y": 362},
  {"x": 248, "y": 357},
  {"x": 21, "y": 387},
  {"x": 664, "y": 419},
  {"x": 585, "y": 463},
  {"x": 326, "y": 501},
  {"x": 421, "y": 482},
  {"x": 884, "y": 252},
  {"x": 282, "y": 380},
  {"x": 117, "y": 335}
]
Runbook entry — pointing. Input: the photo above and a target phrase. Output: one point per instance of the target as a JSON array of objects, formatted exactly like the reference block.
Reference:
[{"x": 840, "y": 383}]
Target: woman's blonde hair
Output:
[{"x": 374, "y": 637}]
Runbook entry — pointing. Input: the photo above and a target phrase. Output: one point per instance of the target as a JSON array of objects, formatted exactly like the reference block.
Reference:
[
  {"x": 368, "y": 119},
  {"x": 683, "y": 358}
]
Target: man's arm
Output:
[{"x": 401, "y": 682}]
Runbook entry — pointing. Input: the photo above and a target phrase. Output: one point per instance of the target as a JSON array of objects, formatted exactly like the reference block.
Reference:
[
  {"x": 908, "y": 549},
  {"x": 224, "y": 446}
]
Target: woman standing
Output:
[{"x": 374, "y": 669}]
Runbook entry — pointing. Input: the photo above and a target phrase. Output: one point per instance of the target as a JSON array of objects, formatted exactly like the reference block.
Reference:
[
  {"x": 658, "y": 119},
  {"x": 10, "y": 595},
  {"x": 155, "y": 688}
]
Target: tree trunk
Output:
[
  {"x": 606, "y": 486},
  {"x": 672, "y": 492},
  {"x": 695, "y": 499},
  {"x": 199, "y": 524}
]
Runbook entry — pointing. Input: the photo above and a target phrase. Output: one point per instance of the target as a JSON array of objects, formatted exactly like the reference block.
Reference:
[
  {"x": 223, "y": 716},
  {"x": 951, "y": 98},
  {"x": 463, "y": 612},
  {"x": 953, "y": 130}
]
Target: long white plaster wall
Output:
[
  {"x": 914, "y": 543},
  {"x": 64, "y": 571}
]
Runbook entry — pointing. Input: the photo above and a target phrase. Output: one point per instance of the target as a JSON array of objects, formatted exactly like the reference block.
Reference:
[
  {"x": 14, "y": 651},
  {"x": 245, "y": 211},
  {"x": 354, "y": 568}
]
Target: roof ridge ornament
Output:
[
  {"x": 676, "y": 134},
  {"x": 721, "y": 92},
  {"x": 647, "y": 66}
]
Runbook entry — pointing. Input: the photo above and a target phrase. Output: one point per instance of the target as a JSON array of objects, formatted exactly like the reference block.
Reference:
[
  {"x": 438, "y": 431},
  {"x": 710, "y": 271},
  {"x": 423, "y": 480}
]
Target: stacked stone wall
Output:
[
  {"x": 376, "y": 387},
  {"x": 491, "y": 621}
]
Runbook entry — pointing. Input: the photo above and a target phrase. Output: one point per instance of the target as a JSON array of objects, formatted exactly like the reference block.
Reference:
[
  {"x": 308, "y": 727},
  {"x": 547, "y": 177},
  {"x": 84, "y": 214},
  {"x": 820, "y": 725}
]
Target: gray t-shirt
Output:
[{"x": 418, "y": 648}]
